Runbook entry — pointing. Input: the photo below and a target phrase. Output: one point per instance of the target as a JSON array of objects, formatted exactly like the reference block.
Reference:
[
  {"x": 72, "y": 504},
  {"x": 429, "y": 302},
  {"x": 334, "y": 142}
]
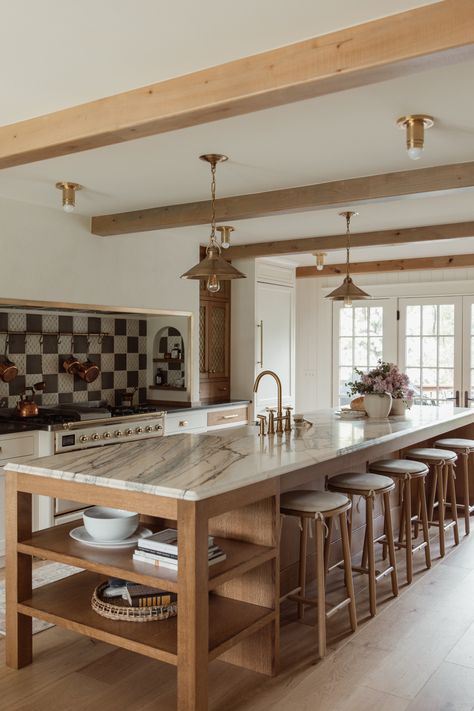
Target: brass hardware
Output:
[
  {"x": 95, "y": 436},
  {"x": 456, "y": 398},
  {"x": 260, "y": 326},
  {"x": 229, "y": 417},
  {"x": 69, "y": 194},
  {"x": 415, "y": 126},
  {"x": 467, "y": 399},
  {"x": 288, "y": 410},
  {"x": 270, "y": 410},
  {"x": 262, "y": 423},
  {"x": 225, "y": 231},
  {"x": 348, "y": 291},
  {"x": 319, "y": 260},
  {"x": 183, "y": 423},
  {"x": 213, "y": 268},
  {"x": 271, "y": 420}
]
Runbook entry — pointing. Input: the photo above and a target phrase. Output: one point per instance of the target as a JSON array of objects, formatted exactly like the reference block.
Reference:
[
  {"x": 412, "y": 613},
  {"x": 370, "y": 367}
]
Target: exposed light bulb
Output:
[
  {"x": 67, "y": 207},
  {"x": 213, "y": 284},
  {"x": 225, "y": 245},
  {"x": 415, "y": 152},
  {"x": 347, "y": 302},
  {"x": 68, "y": 194},
  {"x": 319, "y": 260}
]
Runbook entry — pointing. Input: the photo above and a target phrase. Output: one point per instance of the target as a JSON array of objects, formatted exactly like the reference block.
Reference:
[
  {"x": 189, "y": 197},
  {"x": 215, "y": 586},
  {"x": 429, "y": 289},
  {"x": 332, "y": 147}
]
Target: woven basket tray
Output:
[{"x": 121, "y": 610}]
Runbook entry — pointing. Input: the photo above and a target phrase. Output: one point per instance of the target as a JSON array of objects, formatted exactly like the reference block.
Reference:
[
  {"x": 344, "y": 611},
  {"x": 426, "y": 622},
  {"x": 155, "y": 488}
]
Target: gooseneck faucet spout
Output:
[{"x": 279, "y": 417}]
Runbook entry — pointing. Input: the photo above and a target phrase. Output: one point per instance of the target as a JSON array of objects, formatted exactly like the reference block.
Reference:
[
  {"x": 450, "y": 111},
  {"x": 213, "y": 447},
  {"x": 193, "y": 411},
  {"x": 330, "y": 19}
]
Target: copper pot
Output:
[
  {"x": 88, "y": 371},
  {"x": 71, "y": 365},
  {"x": 8, "y": 369}
]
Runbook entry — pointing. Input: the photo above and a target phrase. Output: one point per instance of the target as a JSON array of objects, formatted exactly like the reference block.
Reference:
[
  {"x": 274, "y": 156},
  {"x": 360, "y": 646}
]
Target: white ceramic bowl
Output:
[{"x": 105, "y": 524}]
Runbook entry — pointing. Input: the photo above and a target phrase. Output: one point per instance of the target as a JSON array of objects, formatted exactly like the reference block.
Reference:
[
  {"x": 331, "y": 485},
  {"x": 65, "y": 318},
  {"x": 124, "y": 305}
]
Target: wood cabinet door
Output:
[{"x": 218, "y": 339}]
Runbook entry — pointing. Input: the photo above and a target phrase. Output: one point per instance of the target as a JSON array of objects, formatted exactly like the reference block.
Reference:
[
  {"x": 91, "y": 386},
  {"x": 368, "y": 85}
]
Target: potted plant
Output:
[{"x": 385, "y": 390}]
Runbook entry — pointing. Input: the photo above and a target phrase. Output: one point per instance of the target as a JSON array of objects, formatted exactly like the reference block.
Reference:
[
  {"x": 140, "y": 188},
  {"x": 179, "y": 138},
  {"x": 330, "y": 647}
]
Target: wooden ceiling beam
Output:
[
  {"x": 390, "y": 265},
  {"x": 336, "y": 194},
  {"x": 304, "y": 245},
  {"x": 389, "y": 47}
]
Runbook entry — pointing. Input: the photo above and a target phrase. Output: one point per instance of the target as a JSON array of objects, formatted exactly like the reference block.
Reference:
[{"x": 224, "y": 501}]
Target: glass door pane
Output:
[
  {"x": 363, "y": 335},
  {"x": 468, "y": 359},
  {"x": 431, "y": 347}
]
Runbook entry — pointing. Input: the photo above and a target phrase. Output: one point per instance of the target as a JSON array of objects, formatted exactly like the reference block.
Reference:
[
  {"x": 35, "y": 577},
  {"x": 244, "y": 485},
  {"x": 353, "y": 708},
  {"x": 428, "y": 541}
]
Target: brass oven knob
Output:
[
  {"x": 158, "y": 427},
  {"x": 83, "y": 438},
  {"x": 139, "y": 430},
  {"x": 95, "y": 436},
  {"x": 106, "y": 435},
  {"x": 148, "y": 428},
  {"x": 117, "y": 433},
  {"x": 128, "y": 432}
]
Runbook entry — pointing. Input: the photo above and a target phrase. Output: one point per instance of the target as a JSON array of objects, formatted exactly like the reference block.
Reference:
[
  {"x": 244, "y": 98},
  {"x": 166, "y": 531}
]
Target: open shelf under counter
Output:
[
  {"x": 56, "y": 544},
  {"x": 67, "y": 603}
]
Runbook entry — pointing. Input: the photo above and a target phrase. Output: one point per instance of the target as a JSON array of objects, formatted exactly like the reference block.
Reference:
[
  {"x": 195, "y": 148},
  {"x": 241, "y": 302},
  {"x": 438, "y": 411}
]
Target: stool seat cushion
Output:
[
  {"x": 398, "y": 467},
  {"x": 361, "y": 482},
  {"x": 455, "y": 443},
  {"x": 312, "y": 501},
  {"x": 431, "y": 454}
]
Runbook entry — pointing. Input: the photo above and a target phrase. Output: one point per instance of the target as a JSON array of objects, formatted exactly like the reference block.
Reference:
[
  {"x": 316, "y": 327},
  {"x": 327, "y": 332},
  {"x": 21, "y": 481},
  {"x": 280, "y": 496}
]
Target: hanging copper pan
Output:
[{"x": 8, "y": 369}]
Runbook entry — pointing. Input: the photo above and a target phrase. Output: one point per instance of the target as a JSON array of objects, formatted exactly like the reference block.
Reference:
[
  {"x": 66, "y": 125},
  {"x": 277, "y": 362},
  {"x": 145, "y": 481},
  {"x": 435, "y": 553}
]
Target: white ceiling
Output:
[{"x": 66, "y": 54}]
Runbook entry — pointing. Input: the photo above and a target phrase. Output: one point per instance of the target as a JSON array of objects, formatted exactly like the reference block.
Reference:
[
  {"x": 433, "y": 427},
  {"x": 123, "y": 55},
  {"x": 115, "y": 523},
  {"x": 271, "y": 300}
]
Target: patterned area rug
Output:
[{"x": 43, "y": 573}]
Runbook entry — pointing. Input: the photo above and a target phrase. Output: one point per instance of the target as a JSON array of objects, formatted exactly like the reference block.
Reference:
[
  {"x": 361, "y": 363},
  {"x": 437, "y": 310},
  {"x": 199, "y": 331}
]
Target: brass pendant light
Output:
[
  {"x": 348, "y": 291},
  {"x": 213, "y": 268}
]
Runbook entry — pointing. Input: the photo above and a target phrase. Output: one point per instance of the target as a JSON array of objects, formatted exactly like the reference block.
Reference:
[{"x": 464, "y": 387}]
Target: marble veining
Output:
[{"x": 197, "y": 466}]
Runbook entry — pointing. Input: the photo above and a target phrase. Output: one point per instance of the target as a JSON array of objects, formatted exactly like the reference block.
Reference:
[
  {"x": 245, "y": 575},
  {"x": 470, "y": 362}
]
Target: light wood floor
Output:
[{"x": 416, "y": 655}]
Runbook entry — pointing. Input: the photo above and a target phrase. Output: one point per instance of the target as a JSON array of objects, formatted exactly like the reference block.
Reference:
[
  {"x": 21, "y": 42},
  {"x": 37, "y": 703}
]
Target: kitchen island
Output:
[{"x": 226, "y": 484}]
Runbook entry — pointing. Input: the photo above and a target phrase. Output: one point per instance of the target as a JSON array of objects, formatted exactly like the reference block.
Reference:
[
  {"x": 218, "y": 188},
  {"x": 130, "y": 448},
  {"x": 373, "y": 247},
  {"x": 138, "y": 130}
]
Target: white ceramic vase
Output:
[
  {"x": 377, "y": 404},
  {"x": 399, "y": 406}
]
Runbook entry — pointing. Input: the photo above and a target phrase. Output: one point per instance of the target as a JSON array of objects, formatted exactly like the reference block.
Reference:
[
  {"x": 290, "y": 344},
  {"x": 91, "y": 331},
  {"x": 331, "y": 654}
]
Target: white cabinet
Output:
[
  {"x": 263, "y": 332},
  {"x": 13, "y": 448},
  {"x": 192, "y": 421}
]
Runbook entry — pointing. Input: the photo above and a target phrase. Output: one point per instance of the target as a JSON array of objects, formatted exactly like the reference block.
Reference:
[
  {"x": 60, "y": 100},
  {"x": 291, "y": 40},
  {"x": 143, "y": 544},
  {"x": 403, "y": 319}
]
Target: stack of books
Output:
[{"x": 161, "y": 549}]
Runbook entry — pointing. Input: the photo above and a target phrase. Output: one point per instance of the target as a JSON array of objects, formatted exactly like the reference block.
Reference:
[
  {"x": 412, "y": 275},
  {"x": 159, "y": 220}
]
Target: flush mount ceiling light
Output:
[
  {"x": 348, "y": 291},
  {"x": 213, "y": 268},
  {"x": 319, "y": 260},
  {"x": 69, "y": 194},
  {"x": 415, "y": 126},
  {"x": 225, "y": 231}
]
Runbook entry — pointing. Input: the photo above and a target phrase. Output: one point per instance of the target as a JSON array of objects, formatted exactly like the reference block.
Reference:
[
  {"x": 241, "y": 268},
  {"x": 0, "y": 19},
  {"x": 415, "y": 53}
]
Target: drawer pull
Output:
[
  {"x": 229, "y": 417},
  {"x": 183, "y": 423}
]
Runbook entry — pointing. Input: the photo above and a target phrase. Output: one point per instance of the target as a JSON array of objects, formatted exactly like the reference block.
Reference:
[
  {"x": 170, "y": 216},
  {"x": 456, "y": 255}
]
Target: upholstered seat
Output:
[
  {"x": 455, "y": 443},
  {"x": 431, "y": 454},
  {"x": 313, "y": 501},
  {"x": 400, "y": 467},
  {"x": 361, "y": 482}
]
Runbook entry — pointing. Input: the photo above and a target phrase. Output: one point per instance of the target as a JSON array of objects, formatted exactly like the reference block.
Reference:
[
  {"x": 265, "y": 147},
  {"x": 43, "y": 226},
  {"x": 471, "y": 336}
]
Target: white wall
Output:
[
  {"x": 50, "y": 255},
  {"x": 314, "y": 355}
]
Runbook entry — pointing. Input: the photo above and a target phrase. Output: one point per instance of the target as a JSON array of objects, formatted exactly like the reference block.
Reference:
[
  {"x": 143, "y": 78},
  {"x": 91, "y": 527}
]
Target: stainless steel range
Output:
[{"x": 111, "y": 430}]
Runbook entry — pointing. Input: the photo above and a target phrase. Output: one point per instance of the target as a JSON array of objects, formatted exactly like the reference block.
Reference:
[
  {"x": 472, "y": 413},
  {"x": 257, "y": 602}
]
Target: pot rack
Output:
[{"x": 58, "y": 334}]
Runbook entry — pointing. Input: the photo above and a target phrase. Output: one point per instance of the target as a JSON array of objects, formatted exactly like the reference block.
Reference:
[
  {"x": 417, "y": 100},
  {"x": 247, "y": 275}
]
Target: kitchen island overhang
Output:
[{"x": 227, "y": 485}]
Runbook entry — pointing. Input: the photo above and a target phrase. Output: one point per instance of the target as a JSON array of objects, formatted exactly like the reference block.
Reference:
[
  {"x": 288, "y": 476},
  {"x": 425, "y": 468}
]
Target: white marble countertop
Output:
[{"x": 197, "y": 466}]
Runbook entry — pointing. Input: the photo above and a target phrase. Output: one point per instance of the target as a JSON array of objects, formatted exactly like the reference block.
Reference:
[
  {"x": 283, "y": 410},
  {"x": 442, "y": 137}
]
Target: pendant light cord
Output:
[
  {"x": 212, "y": 239},
  {"x": 348, "y": 244}
]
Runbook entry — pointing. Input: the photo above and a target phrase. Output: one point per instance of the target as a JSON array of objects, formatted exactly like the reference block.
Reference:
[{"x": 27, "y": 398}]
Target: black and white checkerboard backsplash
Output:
[{"x": 121, "y": 356}]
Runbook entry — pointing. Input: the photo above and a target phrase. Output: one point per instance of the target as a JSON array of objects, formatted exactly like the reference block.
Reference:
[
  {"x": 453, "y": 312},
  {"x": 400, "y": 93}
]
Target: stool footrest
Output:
[
  {"x": 385, "y": 572},
  {"x": 446, "y": 526},
  {"x": 414, "y": 549},
  {"x": 314, "y": 603}
]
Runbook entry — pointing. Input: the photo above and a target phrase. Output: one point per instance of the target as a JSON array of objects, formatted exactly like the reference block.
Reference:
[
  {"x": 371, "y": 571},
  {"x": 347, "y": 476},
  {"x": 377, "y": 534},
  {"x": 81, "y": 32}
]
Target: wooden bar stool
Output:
[
  {"x": 404, "y": 471},
  {"x": 442, "y": 461},
  {"x": 369, "y": 486},
  {"x": 320, "y": 506},
  {"x": 463, "y": 448}
]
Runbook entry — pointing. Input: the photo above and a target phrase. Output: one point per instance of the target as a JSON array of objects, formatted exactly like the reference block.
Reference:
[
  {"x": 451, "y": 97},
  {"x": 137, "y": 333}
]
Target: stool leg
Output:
[
  {"x": 321, "y": 579},
  {"x": 424, "y": 520},
  {"x": 369, "y": 522},
  {"x": 348, "y": 570},
  {"x": 391, "y": 547},
  {"x": 434, "y": 485},
  {"x": 409, "y": 552},
  {"x": 349, "y": 521},
  {"x": 454, "y": 508},
  {"x": 465, "y": 468},
  {"x": 402, "y": 513},
  {"x": 302, "y": 565},
  {"x": 441, "y": 473},
  {"x": 327, "y": 545}
]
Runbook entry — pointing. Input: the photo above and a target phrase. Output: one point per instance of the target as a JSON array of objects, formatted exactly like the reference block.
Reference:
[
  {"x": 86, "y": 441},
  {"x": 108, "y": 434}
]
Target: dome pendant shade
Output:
[
  {"x": 347, "y": 290},
  {"x": 213, "y": 265}
]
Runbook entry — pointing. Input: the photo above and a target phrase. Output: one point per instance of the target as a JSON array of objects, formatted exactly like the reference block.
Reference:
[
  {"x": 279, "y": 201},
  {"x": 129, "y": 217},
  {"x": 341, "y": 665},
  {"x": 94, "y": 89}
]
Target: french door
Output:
[
  {"x": 468, "y": 352},
  {"x": 362, "y": 335},
  {"x": 430, "y": 347}
]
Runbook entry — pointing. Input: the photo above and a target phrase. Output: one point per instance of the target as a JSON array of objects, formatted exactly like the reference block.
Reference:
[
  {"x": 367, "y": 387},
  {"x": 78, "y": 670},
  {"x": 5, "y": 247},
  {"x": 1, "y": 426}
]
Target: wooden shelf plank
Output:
[
  {"x": 56, "y": 544},
  {"x": 168, "y": 360},
  {"x": 67, "y": 604}
]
